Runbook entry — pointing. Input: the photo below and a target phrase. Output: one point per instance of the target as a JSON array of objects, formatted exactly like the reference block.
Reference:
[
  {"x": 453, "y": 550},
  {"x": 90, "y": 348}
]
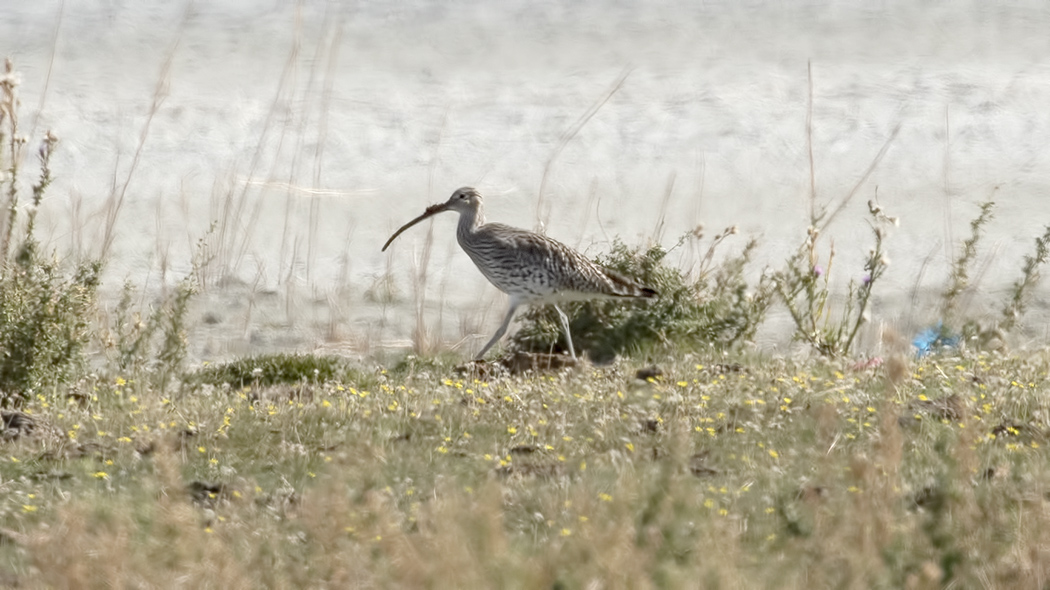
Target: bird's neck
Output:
[{"x": 470, "y": 221}]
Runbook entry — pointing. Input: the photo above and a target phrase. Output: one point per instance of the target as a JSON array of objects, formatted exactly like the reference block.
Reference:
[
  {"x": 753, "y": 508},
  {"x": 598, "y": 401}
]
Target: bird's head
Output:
[{"x": 464, "y": 200}]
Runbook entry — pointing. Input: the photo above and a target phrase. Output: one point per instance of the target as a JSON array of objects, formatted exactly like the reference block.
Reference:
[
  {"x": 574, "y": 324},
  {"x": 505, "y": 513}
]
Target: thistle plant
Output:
[{"x": 803, "y": 286}]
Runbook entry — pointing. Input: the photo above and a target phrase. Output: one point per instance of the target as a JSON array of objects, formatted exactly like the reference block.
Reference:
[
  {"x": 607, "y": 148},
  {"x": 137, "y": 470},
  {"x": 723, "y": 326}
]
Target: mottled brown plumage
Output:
[{"x": 528, "y": 267}]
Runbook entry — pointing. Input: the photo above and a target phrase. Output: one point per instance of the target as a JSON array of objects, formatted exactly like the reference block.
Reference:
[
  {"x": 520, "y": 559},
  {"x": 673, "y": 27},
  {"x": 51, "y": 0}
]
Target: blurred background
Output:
[{"x": 295, "y": 137}]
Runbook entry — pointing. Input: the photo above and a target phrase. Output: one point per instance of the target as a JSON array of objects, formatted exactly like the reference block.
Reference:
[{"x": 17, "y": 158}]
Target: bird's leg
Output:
[
  {"x": 565, "y": 325},
  {"x": 502, "y": 329}
]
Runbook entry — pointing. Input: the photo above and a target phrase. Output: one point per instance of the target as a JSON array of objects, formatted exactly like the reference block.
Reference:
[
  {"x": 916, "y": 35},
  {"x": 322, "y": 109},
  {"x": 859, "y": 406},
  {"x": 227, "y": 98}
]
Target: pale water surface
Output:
[{"x": 310, "y": 131}]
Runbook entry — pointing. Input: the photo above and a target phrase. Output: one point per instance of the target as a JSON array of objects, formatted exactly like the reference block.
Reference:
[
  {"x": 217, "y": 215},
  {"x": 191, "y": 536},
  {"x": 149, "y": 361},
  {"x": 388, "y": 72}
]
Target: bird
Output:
[{"x": 529, "y": 267}]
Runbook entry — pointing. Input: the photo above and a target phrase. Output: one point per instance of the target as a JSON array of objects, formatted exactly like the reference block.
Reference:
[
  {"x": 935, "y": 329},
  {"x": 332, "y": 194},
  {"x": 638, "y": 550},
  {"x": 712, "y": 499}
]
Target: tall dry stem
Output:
[
  {"x": 568, "y": 136},
  {"x": 115, "y": 203}
]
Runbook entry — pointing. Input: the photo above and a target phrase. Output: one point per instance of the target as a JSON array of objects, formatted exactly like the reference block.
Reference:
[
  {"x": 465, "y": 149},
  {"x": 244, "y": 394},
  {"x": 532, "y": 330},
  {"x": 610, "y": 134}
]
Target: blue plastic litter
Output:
[{"x": 933, "y": 339}]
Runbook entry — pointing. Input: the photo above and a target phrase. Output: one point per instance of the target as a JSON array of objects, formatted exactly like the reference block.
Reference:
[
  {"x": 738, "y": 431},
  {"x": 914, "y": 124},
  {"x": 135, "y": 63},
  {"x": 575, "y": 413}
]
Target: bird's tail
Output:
[{"x": 625, "y": 287}]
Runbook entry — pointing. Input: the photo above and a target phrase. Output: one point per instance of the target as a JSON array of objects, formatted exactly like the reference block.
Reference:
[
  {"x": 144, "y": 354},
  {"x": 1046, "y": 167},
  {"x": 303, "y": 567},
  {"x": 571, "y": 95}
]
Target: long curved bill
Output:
[{"x": 431, "y": 210}]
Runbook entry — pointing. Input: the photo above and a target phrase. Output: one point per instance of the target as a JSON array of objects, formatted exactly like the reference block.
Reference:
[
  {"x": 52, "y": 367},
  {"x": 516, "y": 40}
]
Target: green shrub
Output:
[
  {"x": 717, "y": 308},
  {"x": 45, "y": 308},
  {"x": 44, "y": 325},
  {"x": 273, "y": 369}
]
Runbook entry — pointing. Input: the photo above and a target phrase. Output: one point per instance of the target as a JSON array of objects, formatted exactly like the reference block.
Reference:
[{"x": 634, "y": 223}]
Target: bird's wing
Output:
[{"x": 529, "y": 253}]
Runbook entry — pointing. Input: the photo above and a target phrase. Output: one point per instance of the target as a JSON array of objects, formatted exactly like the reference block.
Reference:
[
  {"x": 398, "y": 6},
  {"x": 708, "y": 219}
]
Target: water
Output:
[{"x": 310, "y": 131}]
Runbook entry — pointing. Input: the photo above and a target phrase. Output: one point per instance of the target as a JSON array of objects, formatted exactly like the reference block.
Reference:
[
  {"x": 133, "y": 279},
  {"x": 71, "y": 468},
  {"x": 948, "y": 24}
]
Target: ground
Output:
[{"x": 724, "y": 472}]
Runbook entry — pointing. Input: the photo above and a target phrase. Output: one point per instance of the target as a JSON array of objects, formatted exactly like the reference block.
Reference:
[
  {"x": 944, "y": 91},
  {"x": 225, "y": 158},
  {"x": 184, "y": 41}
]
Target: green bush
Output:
[
  {"x": 718, "y": 308},
  {"x": 44, "y": 325},
  {"x": 45, "y": 307},
  {"x": 273, "y": 369}
]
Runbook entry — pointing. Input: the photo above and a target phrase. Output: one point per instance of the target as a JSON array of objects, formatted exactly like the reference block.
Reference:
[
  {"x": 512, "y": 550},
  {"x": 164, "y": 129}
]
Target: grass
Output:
[
  {"x": 265, "y": 370},
  {"x": 716, "y": 467},
  {"x": 753, "y": 473}
]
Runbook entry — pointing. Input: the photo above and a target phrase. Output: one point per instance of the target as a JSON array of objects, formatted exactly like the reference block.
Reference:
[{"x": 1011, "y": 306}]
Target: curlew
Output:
[{"x": 530, "y": 268}]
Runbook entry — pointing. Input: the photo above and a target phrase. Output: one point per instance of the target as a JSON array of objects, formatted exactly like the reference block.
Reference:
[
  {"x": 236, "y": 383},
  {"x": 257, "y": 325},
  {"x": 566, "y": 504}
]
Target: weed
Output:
[
  {"x": 803, "y": 286},
  {"x": 955, "y": 326},
  {"x": 1021, "y": 291},
  {"x": 959, "y": 277},
  {"x": 152, "y": 344}
]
